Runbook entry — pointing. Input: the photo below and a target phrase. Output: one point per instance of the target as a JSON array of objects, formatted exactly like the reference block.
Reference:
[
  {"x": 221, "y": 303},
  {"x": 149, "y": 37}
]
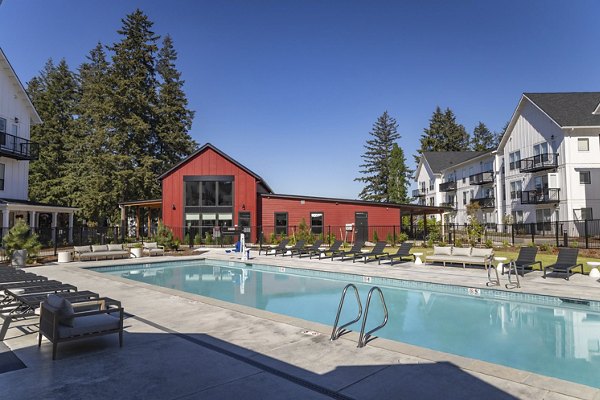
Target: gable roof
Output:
[
  {"x": 569, "y": 109},
  {"x": 12, "y": 75},
  {"x": 441, "y": 160},
  {"x": 225, "y": 156}
]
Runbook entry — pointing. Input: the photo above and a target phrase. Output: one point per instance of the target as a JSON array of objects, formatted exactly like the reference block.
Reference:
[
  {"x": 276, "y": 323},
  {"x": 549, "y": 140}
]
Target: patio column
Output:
[
  {"x": 32, "y": 219},
  {"x": 5, "y": 221},
  {"x": 71, "y": 227},
  {"x": 137, "y": 222},
  {"x": 149, "y": 221},
  {"x": 53, "y": 225},
  {"x": 443, "y": 225}
]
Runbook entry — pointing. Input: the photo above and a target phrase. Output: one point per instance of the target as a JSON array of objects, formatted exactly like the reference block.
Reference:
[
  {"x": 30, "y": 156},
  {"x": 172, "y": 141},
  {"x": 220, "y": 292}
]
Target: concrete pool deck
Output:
[{"x": 183, "y": 346}]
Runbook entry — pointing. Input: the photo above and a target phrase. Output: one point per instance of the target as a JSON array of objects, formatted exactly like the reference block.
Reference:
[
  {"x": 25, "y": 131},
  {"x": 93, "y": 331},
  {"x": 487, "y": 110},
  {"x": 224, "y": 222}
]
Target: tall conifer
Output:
[
  {"x": 483, "y": 139},
  {"x": 399, "y": 176},
  {"x": 443, "y": 134}
]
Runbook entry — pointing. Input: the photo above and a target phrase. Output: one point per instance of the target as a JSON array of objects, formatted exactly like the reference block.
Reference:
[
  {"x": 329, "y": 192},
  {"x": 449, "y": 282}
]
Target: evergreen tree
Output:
[
  {"x": 55, "y": 94},
  {"x": 483, "y": 139},
  {"x": 174, "y": 118},
  {"x": 399, "y": 176},
  {"x": 443, "y": 134},
  {"x": 376, "y": 159},
  {"x": 498, "y": 135}
]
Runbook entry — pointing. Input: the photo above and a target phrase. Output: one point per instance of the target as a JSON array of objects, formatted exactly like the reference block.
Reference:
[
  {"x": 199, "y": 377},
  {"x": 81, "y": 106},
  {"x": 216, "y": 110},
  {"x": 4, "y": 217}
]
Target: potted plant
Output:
[
  {"x": 21, "y": 244},
  {"x": 136, "y": 250}
]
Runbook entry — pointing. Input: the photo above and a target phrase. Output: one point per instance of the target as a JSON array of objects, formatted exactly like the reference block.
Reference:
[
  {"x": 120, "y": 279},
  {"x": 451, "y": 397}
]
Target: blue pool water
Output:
[{"x": 542, "y": 334}]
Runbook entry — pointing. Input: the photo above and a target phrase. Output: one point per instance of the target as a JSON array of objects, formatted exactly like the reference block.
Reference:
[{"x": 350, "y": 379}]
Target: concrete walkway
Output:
[{"x": 184, "y": 346}]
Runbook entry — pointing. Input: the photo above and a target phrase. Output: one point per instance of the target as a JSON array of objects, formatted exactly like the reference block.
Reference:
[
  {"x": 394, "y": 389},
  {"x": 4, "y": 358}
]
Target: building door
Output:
[
  {"x": 244, "y": 224},
  {"x": 361, "y": 222}
]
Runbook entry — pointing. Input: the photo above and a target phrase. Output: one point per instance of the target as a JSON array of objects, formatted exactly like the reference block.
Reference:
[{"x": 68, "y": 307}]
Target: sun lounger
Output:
[
  {"x": 377, "y": 251},
  {"x": 153, "y": 249},
  {"x": 566, "y": 262},
  {"x": 356, "y": 248},
  {"x": 296, "y": 248},
  {"x": 335, "y": 247},
  {"x": 525, "y": 260},
  {"x": 274, "y": 250},
  {"x": 310, "y": 250},
  {"x": 402, "y": 253}
]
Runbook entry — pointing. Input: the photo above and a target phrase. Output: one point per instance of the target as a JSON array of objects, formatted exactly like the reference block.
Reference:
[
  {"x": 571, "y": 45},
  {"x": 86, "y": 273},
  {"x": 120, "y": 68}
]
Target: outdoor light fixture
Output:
[
  {"x": 173, "y": 206},
  {"x": 16, "y": 120},
  {"x": 244, "y": 206}
]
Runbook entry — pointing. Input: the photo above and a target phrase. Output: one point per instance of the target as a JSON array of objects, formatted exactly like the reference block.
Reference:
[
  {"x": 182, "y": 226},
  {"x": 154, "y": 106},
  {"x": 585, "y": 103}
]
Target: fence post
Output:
[
  {"x": 55, "y": 242},
  {"x": 565, "y": 239},
  {"x": 532, "y": 227},
  {"x": 585, "y": 225},
  {"x": 190, "y": 239},
  {"x": 329, "y": 235},
  {"x": 556, "y": 229},
  {"x": 394, "y": 235},
  {"x": 512, "y": 234}
]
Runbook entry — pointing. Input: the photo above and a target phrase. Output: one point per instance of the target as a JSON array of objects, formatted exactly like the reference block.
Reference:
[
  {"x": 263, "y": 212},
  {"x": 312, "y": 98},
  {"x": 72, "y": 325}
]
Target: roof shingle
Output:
[{"x": 569, "y": 109}]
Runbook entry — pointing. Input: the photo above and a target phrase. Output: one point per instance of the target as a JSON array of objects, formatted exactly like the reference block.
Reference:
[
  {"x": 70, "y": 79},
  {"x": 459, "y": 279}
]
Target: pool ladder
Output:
[{"x": 364, "y": 338}]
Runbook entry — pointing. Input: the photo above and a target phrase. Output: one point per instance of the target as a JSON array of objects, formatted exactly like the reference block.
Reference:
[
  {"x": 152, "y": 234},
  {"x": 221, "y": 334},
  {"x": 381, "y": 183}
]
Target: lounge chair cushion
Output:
[
  {"x": 151, "y": 245},
  {"x": 442, "y": 251},
  {"x": 89, "y": 324},
  {"x": 82, "y": 249},
  {"x": 62, "y": 307},
  {"x": 481, "y": 252},
  {"x": 461, "y": 251},
  {"x": 99, "y": 247},
  {"x": 115, "y": 247}
]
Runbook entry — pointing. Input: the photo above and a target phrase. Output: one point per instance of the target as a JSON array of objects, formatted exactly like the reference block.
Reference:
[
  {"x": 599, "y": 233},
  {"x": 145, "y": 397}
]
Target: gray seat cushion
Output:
[
  {"x": 62, "y": 307},
  {"x": 89, "y": 324}
]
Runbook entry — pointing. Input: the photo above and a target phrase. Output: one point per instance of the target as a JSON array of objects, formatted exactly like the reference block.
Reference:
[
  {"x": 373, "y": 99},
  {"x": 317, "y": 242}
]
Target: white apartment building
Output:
[
  {"x": 17, "y": 114},
  {"x": 546, "y": 167}
]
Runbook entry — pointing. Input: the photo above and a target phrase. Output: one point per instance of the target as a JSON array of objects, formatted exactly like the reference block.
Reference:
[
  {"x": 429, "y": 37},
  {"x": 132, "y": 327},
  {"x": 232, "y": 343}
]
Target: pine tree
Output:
[
  {"x": 174, "y": 118},
  {"x": 499, "y": 135},
  {"x": 399, "y": 176},
  {"x": 443, "y": 134},
  {"x": 483, "y": 139},
  {"x": 55, "y": 94},
  {"x": 376, "y": 159}
]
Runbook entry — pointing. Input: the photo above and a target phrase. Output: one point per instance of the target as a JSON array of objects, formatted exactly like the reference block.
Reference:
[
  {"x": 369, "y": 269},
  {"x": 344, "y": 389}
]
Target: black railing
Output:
[
  {"x": 448, "y": 186},
  {"x": 418, "y": 193},
  {"x": 485, "y": 202},
  {"x": 12, "y": 146},
  {"x": 541, "y": 196},
  {"x": 539, "y": 163},
  {"x": 482, "y": 178},
  {"x": 452, "y": 205}
]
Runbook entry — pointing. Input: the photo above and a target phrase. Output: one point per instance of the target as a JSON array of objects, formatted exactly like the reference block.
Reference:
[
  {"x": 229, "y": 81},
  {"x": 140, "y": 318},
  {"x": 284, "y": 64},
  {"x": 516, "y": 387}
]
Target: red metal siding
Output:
[{"x": 207, "y": 163}]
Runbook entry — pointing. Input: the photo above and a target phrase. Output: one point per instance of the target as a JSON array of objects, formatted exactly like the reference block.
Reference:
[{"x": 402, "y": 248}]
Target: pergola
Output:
[
  {"x": 412, "y": 209},
  {"x": 150, "y": 205}
]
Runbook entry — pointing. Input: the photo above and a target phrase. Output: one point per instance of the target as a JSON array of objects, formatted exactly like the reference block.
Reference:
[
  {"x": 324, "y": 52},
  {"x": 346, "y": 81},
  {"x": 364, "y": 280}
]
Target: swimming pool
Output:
[{"x": 541, "y": 334}]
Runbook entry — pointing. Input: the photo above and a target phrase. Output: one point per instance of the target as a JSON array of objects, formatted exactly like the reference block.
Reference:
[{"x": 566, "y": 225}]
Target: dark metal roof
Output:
[
  {"x": 441, "y": 160},
  {"x": 569, "y": 109},
  {"x": 32, "y": 203},
  {"x": 210, "y": 146},
  {"x": 416, "y": 209}
]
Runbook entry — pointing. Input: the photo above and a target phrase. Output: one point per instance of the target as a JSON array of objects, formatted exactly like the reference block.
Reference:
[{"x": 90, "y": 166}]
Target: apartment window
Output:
[
  {"x": 422, "y": 184},
  {"x": 464, "y": 175},
  {"x": 515, "y": 190},
  {"x": 431, "y": 185},
  {"x": 465, "y": 195},
  {"x": 586, "y": 213},
  {"x": 316, "y": 223},
  {"x": 2, "y": 131},
  {"x": 281, "y": 223},
  {"x": 583, "y": 144},
  {"x": 1, "y": 176},
  {"x": 431, "y": 199},
  {"x": 585, "y": 177},
  {"x": 514, "y": 159}
]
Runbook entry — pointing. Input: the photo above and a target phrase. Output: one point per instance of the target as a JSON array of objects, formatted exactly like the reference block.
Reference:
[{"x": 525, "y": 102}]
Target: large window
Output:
[
  {"x": 514, "y": 159},
  {"x": 316, "y": 223},
  {"x": 515, "y": 190},
  {"x": 585, "y": 177},
  {"x": 225, "y": 193},
  {"x": 192, "y": 193},
  {"x": 281, "y": 223},
  {"x": 1, "y": 176},
  {"x": 583, "y": 144},
  {"x": 209, "y": 193}
]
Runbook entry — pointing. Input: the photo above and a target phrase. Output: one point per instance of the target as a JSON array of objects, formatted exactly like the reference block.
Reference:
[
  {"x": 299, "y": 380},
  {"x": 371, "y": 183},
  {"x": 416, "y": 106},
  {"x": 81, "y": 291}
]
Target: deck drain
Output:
[{"x": 310, "y": 333}]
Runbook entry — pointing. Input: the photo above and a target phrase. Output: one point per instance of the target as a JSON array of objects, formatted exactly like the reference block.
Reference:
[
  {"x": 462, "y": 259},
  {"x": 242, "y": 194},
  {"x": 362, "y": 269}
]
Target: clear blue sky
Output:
[{"x": 291, "y": 88}]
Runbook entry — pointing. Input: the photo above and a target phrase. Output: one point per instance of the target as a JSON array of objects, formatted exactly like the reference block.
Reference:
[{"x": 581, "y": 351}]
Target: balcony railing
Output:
[
  {"x": 448, "y": 186},
  {"x": 419, "y": 193},
  {"x": 539, "y": 162},
  {"x": 12, "y": 146},
  {"x": 485, "y": 202},
  {"x": 540, "y": 196},
  {"x": 450, "y": 205},
  {"x": 482, "y": 178}
]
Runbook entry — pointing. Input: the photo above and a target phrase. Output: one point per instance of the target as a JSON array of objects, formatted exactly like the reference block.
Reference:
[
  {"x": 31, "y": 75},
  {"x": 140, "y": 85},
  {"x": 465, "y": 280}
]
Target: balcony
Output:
[
  {"x": 542, "y": 196},
  {"x": 448, "y": 186},
  {"x": 419, "y": 193},
  {"x": 485, "y": 202},
  {"x": 18, "y": 148},
  {"x": 453, "y": 206},
  {"x": 482, "y": 178},
  {"x": 539, "y": 163}
]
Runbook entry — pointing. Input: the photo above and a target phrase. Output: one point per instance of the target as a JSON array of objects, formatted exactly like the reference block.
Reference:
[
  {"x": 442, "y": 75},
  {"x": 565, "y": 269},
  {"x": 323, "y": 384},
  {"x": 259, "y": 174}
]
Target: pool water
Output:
[{"x": 534, "y": 333}]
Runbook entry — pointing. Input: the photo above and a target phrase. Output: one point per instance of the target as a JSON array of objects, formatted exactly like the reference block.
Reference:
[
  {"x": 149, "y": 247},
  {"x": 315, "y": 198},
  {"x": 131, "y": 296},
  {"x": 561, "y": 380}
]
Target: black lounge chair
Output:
[
  {"x": 314, "y": 248},
  {"x": 525, "y": 260},
  {"x": 356, "y": 249},
  {"x": 402, "y": 253},
  {"x": 297, "y": 247},
  {"x": 335, "y": 247},
  {"x": 281, "y": 246},
  {"x": 566, "y": 262},
  {"x": 377, "y": 251}
]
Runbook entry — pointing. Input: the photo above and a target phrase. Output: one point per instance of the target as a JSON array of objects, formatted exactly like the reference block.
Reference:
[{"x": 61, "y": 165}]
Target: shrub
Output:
[
  {"x": 186, "y": 238},
  {"x": 544, "y": 247},
  {"x": 402, "y": 237},
  {"x": 574, "y": 244},
  {"x": 304, "y": 232},
  {"x": 273, "y": 238},
  {"x": 531, "y": 244},
  {"x": 20, "y": 237},
  {"x": 197, "y": 239},
  {"x": 208, "y": 239},
  {"x": 505, "y": 244},
  {"x": 389, "y": 239},
  {"x": 164, "y": 237},
  {"x": 375, "y": 236},
  {"x": 489, "y": 244}
]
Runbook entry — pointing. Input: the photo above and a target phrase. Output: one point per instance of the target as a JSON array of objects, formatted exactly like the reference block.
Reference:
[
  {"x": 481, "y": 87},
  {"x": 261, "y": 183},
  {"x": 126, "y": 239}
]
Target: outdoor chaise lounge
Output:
[
  {"x": 566, "y": 262},
  {"x": 296, "y": 248},
  {"x": 310, "y": 250},
  {"x": 153, "y": 249},
  {"x": 525, "y": 260},
  {"x": 60, "y": 322},
  {"x": 100, "y": 252},
  {"x": 335, "y": 247},
  {"x": 274, "y": 250},
  {"x": 403, "y": 252},
  {"x": 461, "y": 255},
  {"x": 377, "y": 251},
  {"x": 356, "y": 249}
]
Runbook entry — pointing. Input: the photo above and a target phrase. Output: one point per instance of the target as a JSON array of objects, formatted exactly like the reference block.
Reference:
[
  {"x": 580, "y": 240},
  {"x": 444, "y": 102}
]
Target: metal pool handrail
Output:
[
  {"x": 365, "y": 337},
  {"x": 337, "y": 332}
]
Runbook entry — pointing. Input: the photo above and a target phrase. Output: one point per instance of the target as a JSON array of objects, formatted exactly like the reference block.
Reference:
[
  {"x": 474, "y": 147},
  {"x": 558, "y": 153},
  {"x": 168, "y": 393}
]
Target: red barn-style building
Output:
[{"x": 210, "y": 189}]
